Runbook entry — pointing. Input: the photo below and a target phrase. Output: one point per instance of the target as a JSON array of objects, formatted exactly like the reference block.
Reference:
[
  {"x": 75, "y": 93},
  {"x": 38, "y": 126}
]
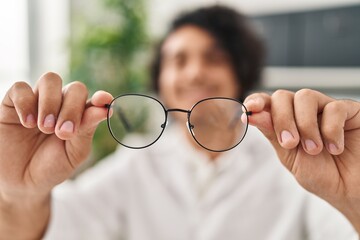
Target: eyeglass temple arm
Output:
[
  {"x": 237, "y": 116},
  {"x": 122, "y": 117}
]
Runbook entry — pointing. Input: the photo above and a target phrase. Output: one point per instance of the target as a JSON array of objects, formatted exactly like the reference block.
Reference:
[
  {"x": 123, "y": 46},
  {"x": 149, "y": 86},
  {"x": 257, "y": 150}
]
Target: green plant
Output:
[{"x": 109, "y": 46}]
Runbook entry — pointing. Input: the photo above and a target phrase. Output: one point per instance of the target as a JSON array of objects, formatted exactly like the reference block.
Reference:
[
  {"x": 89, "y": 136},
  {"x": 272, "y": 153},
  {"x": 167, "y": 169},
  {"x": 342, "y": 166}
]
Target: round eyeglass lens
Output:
[
  {"x": 137, "y": 121},
  {"x": 216, "y": 123}
]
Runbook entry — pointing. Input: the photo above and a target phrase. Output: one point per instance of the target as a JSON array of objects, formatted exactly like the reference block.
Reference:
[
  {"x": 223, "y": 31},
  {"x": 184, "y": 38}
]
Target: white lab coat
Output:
[{"x": 170, "y": 191}]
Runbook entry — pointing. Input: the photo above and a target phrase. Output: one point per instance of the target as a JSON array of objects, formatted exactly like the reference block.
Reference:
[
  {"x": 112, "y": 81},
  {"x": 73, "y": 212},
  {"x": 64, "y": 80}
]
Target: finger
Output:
[
  {"x": 101, "y": 98},
  {"x": 96, "y": 110},
  {"x": 94, "y": 113},
  {"x": 72, "y": 109},
  {"x": 19, "y": 106},
  {"x": 262, "y": 118},
  {"x": 307, "y": 105},
  {"x": 353, "y": 115},
  {"x": 49, "y": 91},
  {"x": 259, "y": 104},
  {"x": 338, "y": 116},
  {"x": 282, "y": 113}
]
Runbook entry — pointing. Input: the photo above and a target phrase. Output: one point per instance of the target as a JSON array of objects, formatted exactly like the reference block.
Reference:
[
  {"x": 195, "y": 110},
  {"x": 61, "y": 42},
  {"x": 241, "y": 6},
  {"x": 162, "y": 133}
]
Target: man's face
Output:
[{"x": 194, "y": 67}]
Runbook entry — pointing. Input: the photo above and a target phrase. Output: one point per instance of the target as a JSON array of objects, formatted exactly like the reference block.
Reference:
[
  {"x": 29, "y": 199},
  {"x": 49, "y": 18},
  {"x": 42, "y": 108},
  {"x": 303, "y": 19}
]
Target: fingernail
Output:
[
  {"x": 286, "y": 136},
  {"x": 30, "y": 119},
  {"x": 67, "y": 126},
  {"x": 310, "y": 145},
  {"x": 49, "y": 121},
  {"x": 333, "y": 148}
]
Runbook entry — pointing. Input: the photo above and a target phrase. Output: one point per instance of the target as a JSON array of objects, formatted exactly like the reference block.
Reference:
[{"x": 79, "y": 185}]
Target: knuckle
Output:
[
  {"x": 335, "y": 106},
  {"x": 254, "y": 96},
  {"x": 282, "y": 93},
  {"x": 78, "y": 87},
  {"x": 20, "y": 86},
  {"x": 304, "y": 93},
  {"x": 51, "y": 76},
  {"x": 329, "y": 130},
  {"x": 19, "y": 94}
]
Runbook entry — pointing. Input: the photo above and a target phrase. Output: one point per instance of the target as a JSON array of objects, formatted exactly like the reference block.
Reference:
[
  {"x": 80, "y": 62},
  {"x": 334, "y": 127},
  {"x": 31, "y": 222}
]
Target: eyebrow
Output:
[
  {"x": 214, "y": 47},
  {"x": 172, "y": 55}
]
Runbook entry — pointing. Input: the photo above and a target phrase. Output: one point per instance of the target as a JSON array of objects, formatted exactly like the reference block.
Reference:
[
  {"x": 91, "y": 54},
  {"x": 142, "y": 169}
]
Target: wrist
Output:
[
  {"x": 21, "y": 196},
  {"x": 351, "y": 210},
  {"x": 23, "y": 202},
  {"x": 24, "y": 217},
  {"x": 354, "y": 219}
]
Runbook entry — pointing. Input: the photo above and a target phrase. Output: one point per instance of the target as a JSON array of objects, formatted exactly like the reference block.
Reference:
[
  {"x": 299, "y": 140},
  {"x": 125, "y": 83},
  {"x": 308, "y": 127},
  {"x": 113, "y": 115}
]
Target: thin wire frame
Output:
[
  {"x": 166, "y": 111},
  {"x": 109, "y": 106},
  {"x": 190, "y": 126}
]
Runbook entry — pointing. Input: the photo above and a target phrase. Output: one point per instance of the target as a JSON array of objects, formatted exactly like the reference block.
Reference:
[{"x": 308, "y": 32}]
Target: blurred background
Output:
[{"x": 108, "y": 44}]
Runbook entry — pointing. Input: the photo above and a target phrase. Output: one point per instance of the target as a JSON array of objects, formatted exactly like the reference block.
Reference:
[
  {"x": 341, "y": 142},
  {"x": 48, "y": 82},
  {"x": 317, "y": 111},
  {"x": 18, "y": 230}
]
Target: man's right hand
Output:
[{"x": 45, "y": 133}]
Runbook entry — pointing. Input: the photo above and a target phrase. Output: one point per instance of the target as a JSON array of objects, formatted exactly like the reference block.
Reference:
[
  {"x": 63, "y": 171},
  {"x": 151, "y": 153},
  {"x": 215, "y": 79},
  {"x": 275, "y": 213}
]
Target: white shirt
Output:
[{"x": 171, "y": 191}]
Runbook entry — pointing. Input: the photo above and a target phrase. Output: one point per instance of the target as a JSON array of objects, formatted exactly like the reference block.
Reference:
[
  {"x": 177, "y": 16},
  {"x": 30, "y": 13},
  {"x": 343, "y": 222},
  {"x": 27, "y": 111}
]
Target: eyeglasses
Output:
[{"x": 214, "y": 123}]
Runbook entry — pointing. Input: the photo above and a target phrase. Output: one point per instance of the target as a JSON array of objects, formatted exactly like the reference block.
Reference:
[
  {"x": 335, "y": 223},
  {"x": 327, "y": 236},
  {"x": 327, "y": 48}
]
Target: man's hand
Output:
[
  {"x": 317, "y": 138},
  {"x": 45, "y": 133}
]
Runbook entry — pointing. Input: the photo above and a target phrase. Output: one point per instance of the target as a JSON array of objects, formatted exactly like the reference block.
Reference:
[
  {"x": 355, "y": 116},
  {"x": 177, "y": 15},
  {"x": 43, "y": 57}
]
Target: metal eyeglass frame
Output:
[{"x": 166, "y": 111}]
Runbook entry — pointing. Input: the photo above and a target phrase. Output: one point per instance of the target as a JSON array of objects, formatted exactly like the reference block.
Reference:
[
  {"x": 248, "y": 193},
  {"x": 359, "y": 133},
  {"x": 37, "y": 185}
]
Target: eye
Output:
[
  {"x": 177, "y": 61},
  {"x": 180, "y": 60},
  {"x": 216, "y": 57}
]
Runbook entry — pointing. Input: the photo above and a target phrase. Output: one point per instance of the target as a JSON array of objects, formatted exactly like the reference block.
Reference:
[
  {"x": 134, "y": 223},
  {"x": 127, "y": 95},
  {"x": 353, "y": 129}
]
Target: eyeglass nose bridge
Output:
[
  {"x": 178, "y": 110},
  {"x": 188, "y": 112}
]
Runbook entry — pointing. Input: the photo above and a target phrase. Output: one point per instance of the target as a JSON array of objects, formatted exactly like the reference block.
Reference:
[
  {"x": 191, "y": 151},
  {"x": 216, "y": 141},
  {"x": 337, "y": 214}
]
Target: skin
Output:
[
  {"x": 316, "y": 138},
  {"x": 192, "y": 72},
  {"x": 36, "y": 155}
]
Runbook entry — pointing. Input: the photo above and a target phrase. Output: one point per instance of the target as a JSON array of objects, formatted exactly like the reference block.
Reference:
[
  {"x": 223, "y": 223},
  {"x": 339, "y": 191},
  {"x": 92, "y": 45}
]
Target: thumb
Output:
[
  {"x": 262, "y": 121},
  {"x": 94, "y": 113},
  {"x": 260, "y": 107}
]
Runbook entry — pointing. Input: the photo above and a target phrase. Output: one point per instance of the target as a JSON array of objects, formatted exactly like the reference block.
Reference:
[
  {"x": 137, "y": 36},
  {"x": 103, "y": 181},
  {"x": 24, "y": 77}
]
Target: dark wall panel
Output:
[{"x": 324, "y": 38}]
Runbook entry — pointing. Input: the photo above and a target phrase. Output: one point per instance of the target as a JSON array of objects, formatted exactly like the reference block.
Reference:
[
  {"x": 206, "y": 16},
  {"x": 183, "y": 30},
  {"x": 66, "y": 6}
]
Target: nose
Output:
[{"x": 195, "y": 71}]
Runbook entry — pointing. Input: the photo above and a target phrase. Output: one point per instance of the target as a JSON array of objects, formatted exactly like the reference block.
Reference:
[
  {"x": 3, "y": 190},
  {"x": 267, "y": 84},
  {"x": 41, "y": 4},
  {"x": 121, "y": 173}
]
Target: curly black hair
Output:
[{"x": 233, "y": 33}]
